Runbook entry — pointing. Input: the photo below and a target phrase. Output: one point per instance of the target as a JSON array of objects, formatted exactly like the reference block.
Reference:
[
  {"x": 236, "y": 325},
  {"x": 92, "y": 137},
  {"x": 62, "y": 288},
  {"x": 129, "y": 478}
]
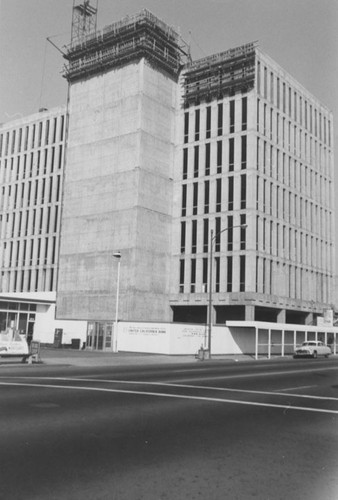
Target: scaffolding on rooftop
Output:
[
  {"x": 141, "y": 35},
  {"x": 220, "y": 75}
]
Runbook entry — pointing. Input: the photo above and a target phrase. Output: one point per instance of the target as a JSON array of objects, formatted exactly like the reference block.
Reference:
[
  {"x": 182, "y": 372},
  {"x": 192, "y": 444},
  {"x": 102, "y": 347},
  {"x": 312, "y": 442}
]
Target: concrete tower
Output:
[{"x": 118, "y": 179}]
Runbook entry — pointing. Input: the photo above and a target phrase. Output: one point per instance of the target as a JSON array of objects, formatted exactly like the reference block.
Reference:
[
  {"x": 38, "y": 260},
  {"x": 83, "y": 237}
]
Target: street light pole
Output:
[
  {"x": 212, "y": 239},
  {"x": 117, "y": 255},
  {"x": 210, "y": 292}
]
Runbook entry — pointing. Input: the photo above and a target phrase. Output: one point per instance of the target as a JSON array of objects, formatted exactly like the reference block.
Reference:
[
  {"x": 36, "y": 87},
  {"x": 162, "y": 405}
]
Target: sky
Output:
[{"x": 300, "y": 35}]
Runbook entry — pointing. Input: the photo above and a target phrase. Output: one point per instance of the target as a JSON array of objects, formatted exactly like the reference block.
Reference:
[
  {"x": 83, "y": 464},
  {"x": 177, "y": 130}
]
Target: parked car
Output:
[{"x": 312, "y": 348}]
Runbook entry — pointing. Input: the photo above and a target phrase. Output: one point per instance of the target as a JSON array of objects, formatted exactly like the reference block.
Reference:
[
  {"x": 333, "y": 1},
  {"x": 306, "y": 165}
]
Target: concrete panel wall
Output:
[
  {"x": 118, "y": 196},
  {"x": 175, "y": 338}
]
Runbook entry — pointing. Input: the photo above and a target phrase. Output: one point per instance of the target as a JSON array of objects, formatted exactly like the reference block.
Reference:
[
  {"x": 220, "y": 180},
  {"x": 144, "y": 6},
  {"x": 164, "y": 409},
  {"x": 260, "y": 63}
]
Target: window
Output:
[
  {"x": 33, "y": 137},
  {"x": 62, "y": 127},
  {"x": 242, "y": 273},
  {"x": 218, "y": 234},
  {"x": 197, "y": 124},
  {"x": 218, "y": 195},
  {"x": 220, "y": 119},
  {"x": 243, "y": 151},
  {"x": 244, "y": 113},
  {"x": 232, "y": 154},
  {"x": 40, "y": 134},
  {"x": 230, "y": 233},
  {"x": 196, "y": 160},
  {"x": 232, "y": 117},
  {"x": 231, "y": 194},
  {"x": 56, "y": 219},
  {"x": 206, "y": 197},
  {"x": 208, "y": 122},
  {"x": 217, "y": 274},
  {"x": 205, "y": 235},
  {"x": 58, "y": 188},
  {"x": 193, "y": 276},
  {"x": 181, "y": 275},
  {"x": 219, "y": 157},
  {"x": 47, "y": 132},
  {"x": 194, "y": 236},
  {"x": 183, "y": 233},
  {"x": 195, "y": 198},
  {"x": 186, "y": 127},
  {"x": 207, "y": 159},
  {"x": 243, "y": 232},
  {"x": 205, "y": 274},
  {"x": 265, "y": 82},
  {"x": 185, "y": 163},
  {"x": 229, "y": 274},
  {"x": 54, "y": 129},
  {"x": 184, "y": 198},
  {"x": 54, "y": 251},
  {"x": 258, "y": 77},
  {"x": 271, "y": 88}
]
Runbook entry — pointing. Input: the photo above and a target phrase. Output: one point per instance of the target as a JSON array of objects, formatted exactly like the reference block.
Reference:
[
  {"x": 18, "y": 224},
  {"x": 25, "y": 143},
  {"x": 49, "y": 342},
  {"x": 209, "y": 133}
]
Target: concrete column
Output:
[
  {"x": 309, "y": 319},
  {"x": 250, "y": 313},
  {"x": 281, "y": 316}
]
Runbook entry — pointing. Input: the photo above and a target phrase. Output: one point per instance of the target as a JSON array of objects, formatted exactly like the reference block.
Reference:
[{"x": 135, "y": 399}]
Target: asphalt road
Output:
[{"x": 213, "y": 431}]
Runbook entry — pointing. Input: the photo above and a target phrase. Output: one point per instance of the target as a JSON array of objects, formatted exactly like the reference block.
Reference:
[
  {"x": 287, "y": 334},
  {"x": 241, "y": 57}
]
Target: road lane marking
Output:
[
  {"x": 298, "y": 387},
  {"x": 188, "y": 386},
  {"x": 174, "y": 396}
]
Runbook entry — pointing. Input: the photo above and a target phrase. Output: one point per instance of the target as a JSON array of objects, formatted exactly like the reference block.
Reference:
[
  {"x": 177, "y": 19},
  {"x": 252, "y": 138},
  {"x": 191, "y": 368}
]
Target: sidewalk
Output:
[{"x": 72, "y": 357}]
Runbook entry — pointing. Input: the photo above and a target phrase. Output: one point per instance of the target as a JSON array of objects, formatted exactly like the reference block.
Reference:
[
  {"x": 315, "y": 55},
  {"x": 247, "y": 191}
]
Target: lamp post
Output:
[
  {"x": 117, "y": 256},
  {"x": 212, "y": 239}
]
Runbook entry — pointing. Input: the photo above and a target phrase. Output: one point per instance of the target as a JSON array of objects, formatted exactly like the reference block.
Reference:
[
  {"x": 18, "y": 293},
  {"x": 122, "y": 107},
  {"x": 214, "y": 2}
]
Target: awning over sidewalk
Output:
[{"x": 282, "y": 338}]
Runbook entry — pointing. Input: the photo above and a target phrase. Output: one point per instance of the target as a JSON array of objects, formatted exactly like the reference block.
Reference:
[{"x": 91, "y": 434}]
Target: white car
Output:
[{"x": 312, "y": 348}]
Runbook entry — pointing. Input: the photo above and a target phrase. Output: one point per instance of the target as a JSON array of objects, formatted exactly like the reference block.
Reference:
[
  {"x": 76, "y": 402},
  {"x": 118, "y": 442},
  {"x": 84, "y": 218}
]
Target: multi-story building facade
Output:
[
  {"x": 162, "y": 152},
  {"x": 255, "y": 149},
  {"x": 31, "y": 178}
]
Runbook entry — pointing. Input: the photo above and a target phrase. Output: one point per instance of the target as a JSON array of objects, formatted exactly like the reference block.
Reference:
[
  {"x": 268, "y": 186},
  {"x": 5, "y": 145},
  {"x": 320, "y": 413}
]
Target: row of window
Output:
[
  {"x": 202, "y": 125},
  {"x": 16, "y": 306},
  {"x": 32, "y": 136},
  {"x": 31, "y": 280},
  {"x": 194, "y": 164},
  {"x": 44, "y": 220},
  {"x": 293, "y": 208},
  {"x": 292, "y": 281},
  {"x": 193, "y": 285},
  {"x": 270, "y": 277},
  {"x": 288, "y": 100},
  {"x": 200, "y": 194},
  {"x": 284, "y": 168},
  {"x": 29, "y": 252},
  {"x": 41, "y": 162},
  {"x": 299, "y": 143},
  {"x": 27, "y": 194},
  {"x": 291, "y": 244},
  {"x": 198, "y": 245}
]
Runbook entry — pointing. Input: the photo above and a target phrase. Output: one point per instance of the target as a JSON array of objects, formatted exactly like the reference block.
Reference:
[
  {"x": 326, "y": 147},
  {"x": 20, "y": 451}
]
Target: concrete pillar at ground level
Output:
[
  {"x": 309, "y": 319},
  {"x": 281, "y": 316},
  {"x": 249, "y": 313}
]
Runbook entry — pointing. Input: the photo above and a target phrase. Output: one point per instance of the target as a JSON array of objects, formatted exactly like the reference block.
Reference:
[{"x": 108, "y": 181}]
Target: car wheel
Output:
[{"x": 314, "y": 354}]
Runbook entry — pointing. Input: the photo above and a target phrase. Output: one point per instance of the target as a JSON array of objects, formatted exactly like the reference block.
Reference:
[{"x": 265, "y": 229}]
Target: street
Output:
[{"x": 264, "y": 430}]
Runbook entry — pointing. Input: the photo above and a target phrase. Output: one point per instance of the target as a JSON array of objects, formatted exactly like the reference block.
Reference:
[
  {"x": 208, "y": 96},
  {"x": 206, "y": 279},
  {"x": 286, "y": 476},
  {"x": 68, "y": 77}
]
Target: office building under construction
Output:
[{"x": 162, "y": 150}]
